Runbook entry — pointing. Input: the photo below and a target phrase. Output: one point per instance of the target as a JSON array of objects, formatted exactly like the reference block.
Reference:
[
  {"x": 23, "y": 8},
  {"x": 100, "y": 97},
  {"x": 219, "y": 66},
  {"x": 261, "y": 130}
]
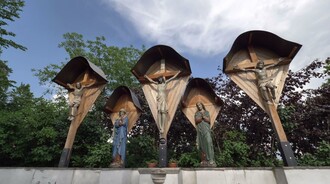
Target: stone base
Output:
[
  {"x": 259, "y": 175},
  {"x": 158, "y": 176}
]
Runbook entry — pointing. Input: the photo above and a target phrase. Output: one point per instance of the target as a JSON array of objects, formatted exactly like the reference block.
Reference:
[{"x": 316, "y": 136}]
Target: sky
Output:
[{"x": 202, "y": 31}]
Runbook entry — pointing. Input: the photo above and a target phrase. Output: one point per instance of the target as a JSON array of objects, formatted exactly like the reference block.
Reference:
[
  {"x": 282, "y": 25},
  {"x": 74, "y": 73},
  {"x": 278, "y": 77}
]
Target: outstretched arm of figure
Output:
[
  {"x": 90, "y": 84},
  {"x": 280, "y": 60},
  {"x": 71, "y": 86},
  {"x": 149, "y": 79},
  {"x": 243, "y": 70},
  {"x": 174, "y": 76}
]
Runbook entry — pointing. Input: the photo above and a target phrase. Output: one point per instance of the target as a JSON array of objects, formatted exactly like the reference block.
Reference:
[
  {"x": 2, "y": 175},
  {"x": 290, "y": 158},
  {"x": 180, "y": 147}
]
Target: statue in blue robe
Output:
[{"x": 119, "y": 140}]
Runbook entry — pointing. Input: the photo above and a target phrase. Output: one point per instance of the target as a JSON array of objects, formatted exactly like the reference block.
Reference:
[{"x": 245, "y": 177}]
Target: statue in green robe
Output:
[{"x": 204, "y": 139}]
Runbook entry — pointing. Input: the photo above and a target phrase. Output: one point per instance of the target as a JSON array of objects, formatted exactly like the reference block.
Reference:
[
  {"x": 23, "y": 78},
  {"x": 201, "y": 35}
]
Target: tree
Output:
[
  {"x": 114, "y": 61},
  {"x": 29, "y": 130},
  {"x": 327, "y": 70},
  {"x": 141, "y": 149},
  {"x": 5, "y": 83},
  {"x": 96, "y": 129},
  {"x": 302, "y": 123},
  {"x": 9, "y": 10},
  {"x": 240, "y": 139},
  {"x": 235, "y": 152}
]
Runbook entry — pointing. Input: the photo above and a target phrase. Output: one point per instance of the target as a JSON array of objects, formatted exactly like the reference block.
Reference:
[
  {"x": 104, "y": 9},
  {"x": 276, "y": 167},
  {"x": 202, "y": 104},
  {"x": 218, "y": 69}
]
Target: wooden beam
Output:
[
  {"x": 253, "y": 55},
  {"x": 293, "y": 51},
  {"x": 108, "y": 109},
  {"x": 61, "y": 83},
  {"x": 186, "y": 64},
  {"x": 136, "y": 74},
  {"x": 157, "y": 75},
  {"x": 250, "y": 38},
  {"x": 283, "y": 143},
  {"x": 253, "y": 65},
  {"x": 160, "y": 52},
  {"x": 276, "y": 121}
]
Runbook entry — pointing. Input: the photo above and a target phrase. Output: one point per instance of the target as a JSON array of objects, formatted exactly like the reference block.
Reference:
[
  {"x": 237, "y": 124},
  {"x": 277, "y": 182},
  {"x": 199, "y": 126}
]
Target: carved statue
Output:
[
  {"x": 161, "y": 99},
  {"x": 78, "y": 91},
  {"x": 119, "y": 140},
  {"x": 204, "y": 139},
  {"x": 264, "y": 82}
]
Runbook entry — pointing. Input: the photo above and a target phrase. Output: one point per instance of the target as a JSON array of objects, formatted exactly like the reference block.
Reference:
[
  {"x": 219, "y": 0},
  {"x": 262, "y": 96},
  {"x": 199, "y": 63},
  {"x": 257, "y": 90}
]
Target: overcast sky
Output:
[{"x": 200, "y": 30}]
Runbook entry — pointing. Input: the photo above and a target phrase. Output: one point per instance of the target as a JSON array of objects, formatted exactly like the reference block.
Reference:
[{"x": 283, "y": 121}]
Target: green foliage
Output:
[
  {"x": 115, "y": 62},
  {"x": 320, "y": 158},
  {"x": 263, "y": 160},
  {"x": 189, "y": 159},
  {"x": 5, "y": 83},
  {"x": 285, "y": 114},
  {"x": 33, "y": 130},
  {"x": 173, "y": 160},
  {"x": 235, "y": 151},
  {"x": 29, "y": 130},
  {"x": 151, "y": 161},
  {"x": 100, "y": 154},
  {"x": 141, "y": 149},
  {"x": 91, "y": 147},
  {"x": 9, "y": 10}
]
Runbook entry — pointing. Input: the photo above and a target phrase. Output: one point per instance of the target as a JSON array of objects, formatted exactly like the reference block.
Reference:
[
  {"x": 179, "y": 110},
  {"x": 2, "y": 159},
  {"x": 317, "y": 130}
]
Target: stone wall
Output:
[{"x": 291, "y": 175}]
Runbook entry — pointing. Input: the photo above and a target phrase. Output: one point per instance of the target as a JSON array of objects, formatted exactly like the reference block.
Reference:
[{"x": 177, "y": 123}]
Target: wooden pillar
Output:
[
  {"x": 283, "y": 143},
  {"x": 66, "y": 153},
  {"x": 88, "y": 98}
]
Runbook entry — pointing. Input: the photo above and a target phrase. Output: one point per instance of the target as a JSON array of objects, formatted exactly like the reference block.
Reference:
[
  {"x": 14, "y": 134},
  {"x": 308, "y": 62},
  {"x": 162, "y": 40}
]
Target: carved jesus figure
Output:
[
  {"x": 264, "y": 82},
  {"x": 161, "y": 99},
  {"x": 78, "y": 91}
]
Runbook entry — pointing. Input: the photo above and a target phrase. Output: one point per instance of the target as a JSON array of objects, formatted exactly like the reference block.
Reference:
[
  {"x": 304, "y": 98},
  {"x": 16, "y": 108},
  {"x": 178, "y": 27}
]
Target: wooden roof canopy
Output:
[
  {"x": 202, "y": 85},
  {"x": 199, "y": 90},
  {"x": 74, "y": 68},
  {"x": 115, "y": 96},
  {"x": 157, "y": 53},
  {"x": 257, "y": 38},
  {"x": 123, "y": 97}
]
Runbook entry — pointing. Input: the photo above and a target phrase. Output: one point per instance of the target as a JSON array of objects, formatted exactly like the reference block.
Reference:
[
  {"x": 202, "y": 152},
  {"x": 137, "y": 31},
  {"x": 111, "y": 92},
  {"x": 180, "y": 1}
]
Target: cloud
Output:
[{"x": 209, "y": 27}]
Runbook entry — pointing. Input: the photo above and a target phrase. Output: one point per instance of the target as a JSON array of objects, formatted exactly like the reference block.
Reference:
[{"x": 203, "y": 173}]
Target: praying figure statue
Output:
[
  {"x": 264, "y": 82},
  {"x": 78, "y": 91},
  {"x": 161, "y": 99},
  {"x": 204, "y": 138},
  {"x": 119, "y": 140}
]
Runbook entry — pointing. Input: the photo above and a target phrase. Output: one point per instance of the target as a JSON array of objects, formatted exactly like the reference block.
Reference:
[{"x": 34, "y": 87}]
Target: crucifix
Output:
[
  {"x": 161, "y": 98},
  {"x": 258, "y": 63}
]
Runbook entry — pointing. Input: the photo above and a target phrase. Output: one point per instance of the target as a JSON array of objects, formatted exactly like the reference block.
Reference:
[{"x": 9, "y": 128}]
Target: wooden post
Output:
[
  {"x": 66, "y": 153},
  {"x": 283, "y": 143},
  {"x": 89, "y": 97},
  {"x": 93, "y": 80}
]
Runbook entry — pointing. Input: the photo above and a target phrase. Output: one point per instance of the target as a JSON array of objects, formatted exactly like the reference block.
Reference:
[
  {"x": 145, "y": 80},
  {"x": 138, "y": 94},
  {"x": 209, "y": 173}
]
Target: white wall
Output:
[{"x": 296, "y": 175}]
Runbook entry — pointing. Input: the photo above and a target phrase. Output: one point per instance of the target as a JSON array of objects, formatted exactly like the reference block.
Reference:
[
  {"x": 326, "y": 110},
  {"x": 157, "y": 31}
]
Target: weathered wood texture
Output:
[
  {"x": 79, "y": 69},
  {"x": 247, "y": 49},
  {"x": 247, "y": 80},
  {"x": 123, "y": 97},
  {"x": 252, "y": 46},
  {"x": 198, "y": 90},
  {"x": 162, "y": 60},
  {"x": 89, "y": 97},
  {"x": 174, "y": 91},
  {"x": 276, "y": 123}
]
